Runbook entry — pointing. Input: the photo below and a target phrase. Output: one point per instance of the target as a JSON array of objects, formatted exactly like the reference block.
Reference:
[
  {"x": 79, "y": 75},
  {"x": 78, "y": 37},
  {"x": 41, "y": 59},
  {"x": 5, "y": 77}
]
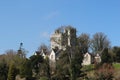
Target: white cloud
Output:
[
  {"x": 51, "y": 15},
  {"x": 45, "y": 35}
]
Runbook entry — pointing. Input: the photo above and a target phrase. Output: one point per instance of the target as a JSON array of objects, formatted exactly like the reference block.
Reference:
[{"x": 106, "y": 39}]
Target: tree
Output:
[
  {"x": 3, "y": 71},
  {"x": 9, "y": 56},
  {"x": 11, "y": 72},
  {"x": 76, "y": 64},
  {"x": 36, "y": 61},
  {"x": 25, "y": 69},
  {"x": 6, "y": 59},
  {"x": 44, "y": 48},
  {"x": 112, "y": 54},
  {"x": 106, "y": 57},
  {"x": 99, "y": 42},
  {"x": 116, "y": 51},
  {"x": 62, "y": 66},
  {"x": 84, "y": 42},
  {"x": 69, "y": 64},
  {"x": 45, "y": 68}
]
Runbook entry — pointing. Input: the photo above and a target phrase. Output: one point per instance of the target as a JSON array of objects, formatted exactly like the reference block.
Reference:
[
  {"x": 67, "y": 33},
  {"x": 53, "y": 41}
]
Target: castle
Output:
[{"x": 62, "y": 37}]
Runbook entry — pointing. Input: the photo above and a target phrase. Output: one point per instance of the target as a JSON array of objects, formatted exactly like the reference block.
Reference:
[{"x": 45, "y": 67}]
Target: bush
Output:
[{"x": 104, "y": 72}]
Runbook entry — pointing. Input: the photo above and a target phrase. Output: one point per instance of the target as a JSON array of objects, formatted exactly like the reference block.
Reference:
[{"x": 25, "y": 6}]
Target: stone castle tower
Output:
[{"x": 62, "y": 37}]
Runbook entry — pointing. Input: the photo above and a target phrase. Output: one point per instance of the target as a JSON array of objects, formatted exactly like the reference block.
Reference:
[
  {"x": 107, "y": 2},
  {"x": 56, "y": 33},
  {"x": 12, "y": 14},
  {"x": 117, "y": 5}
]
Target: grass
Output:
[
  {"x": 116, "y": 65},
  {"x": 88, "y": 67},
  {"x": 117, "y": 71},
  {"x": 43, "y": 78}
]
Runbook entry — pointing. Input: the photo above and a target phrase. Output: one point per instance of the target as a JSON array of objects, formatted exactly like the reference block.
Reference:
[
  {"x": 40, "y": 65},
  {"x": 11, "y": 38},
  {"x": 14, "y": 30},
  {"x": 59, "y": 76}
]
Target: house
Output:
[
  {"x": 87, "y": 60},
  {"x": 97, "y": 58},
  {"x": 53, "y": 57},
  {"x": 42, "y": 53}
]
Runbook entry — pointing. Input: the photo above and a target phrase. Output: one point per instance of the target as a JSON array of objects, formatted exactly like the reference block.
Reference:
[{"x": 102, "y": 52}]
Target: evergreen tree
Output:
[
  {"x": 106, "y": 57},
  {"x": 25, "y": 69},
  {"x": 11, "y": 72},
  {"x": 116, "y": 51},
  {"x": 69, "y": 64},
  {"x": 75, "y": 64},
  {"x": 36, "y": 63},
  {"x": 3, "y": 71},
  {"x": 45, "y": 68}
]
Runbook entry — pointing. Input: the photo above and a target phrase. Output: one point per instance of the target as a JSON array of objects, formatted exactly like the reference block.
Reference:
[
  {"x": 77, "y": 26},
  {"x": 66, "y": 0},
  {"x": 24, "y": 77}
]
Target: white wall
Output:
[{"x": 87, "y": 59}]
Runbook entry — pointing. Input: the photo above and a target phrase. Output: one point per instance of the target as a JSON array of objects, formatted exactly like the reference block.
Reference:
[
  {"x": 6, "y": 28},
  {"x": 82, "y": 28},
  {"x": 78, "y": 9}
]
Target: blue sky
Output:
[{"x": 32, "y": 21}]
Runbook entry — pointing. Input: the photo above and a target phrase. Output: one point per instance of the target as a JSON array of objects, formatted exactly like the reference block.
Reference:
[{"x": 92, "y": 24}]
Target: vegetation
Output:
[
  {"x": 3, "y": 71},
  {"x": 104, "y": 72},
  {"x": 116, "y": 66},
  {"x": 36, "y": 63},
  {"x": 106, "y": 57},
  {"x": 12, "y": 72},
  {"x": 25, "y": 69},
  {"x": 84, "y": 42},
  {"x": 99, "y": 42}
]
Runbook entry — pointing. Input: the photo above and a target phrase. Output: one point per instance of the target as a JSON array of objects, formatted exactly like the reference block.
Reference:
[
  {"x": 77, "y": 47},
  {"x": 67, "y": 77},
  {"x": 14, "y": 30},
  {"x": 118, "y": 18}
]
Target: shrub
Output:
[{"x": 104, "y": 72}]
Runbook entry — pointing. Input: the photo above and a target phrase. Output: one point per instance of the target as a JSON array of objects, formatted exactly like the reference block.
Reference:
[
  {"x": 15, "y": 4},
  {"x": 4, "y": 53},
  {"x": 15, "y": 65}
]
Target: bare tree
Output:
[
  {"x": 99, "y": 42},
  {"x": 84, "y": 42},
  {"x": 44, "y": 48},
  {"x": 10, "y": 55}
]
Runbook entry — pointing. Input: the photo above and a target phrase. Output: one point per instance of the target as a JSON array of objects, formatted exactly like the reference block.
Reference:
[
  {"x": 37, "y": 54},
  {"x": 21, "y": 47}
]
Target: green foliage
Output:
[
  {"x": 45, "y": 68},
  {"x": 62, "y": 66},
  {"x": 116, "y": 65},
  {"x": 116, "y": 50},
  {"x": 36, "y": 62},
  {"x": 88, "y": 67},
  {"x": 69, "y": 64},
  {"x": 25, "y": 69},
  {"x": 76, "y": 64},
  {"x": 106, "y": 57},
  {"x": 12, "y": 72},
  {"x": 3, "y": 71},
  {"x": 84, "y": 42}
]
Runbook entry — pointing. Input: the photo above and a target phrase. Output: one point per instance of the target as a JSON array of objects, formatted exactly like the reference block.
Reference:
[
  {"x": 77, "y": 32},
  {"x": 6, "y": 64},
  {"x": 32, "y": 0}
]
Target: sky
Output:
[{"x": 33, "y": 21}]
